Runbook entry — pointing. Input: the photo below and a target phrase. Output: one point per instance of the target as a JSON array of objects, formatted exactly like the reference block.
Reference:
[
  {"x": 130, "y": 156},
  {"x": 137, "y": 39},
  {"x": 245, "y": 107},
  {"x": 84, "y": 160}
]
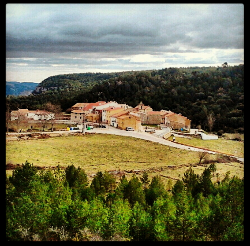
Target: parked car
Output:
[
  {"x": 129, "y": 129},
  {"x": 103, "y": 126},
  {"x": 74, "y": 129},
  {"x": 150, "y": 130}
]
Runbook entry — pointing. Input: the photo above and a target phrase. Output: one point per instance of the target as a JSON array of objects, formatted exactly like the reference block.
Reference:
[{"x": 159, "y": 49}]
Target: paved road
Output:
[
  {"x": 135, "y": 134},
  {"x": 153, "y": 138}
]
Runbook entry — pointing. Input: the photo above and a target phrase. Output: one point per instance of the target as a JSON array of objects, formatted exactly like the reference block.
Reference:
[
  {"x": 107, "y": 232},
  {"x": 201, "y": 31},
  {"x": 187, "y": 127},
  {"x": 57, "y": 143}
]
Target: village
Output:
[{"x": 121, "y": 116}]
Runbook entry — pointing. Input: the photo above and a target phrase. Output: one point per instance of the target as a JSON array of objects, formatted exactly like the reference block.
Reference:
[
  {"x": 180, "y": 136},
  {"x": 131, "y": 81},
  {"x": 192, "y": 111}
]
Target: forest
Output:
[
  {"x": 63, "y": 205},
  {"x": 195, "y": 92}
]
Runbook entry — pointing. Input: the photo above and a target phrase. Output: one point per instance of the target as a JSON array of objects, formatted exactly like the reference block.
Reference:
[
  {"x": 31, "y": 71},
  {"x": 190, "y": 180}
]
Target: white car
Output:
[{"x": 129, "y": 129}]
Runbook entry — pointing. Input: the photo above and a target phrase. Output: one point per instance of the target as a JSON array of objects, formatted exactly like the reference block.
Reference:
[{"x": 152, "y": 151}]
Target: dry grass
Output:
[
  {"x": 223, "y": 145},
  {"x": 100, "y": 152}
]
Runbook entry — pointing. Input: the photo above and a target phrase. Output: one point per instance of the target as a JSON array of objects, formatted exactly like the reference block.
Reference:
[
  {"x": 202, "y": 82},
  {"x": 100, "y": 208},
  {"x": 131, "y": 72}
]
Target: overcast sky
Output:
[{"x": 49, "y": 39}]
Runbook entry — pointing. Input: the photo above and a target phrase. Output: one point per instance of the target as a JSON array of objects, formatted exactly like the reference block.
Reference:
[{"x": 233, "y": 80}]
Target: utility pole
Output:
[{"x": 83, "y": 124}]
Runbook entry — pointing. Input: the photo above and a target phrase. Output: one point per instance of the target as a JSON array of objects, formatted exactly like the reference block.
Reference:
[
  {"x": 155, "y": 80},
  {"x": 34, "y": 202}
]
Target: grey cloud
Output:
[{"x": 57, "y": 33}]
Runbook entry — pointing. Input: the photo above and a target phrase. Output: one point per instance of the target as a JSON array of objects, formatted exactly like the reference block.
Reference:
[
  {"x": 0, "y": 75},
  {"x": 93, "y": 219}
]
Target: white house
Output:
[{"x": 25, "y": 114}]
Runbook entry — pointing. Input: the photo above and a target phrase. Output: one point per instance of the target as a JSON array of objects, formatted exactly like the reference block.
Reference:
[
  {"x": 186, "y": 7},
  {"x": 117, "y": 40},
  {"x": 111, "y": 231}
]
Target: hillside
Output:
[
  {"x": 20, "y": 88},
  {"x": 196, "y": 92},
  {"x": 72, "y": 82}
]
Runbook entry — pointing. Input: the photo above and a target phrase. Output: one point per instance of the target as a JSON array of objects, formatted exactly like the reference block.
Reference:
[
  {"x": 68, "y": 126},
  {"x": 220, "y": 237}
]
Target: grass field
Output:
[
  {"x": 100, "y": 152},
  {"x": 223, "y": 145}
]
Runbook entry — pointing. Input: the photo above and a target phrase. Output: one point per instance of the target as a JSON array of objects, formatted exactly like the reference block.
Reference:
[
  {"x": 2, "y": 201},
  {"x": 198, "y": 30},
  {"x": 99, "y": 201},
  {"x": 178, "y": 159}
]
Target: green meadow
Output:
[{"x": 100, "y": 152}]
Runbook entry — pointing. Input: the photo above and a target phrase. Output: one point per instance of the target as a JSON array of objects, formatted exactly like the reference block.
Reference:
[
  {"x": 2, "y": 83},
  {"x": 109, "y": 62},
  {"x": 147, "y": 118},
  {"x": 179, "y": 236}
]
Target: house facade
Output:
[
  {"x": 177, "y": 121},
  {"x": 114, "y": 118},
  {"x": 77, "y": 116},
  {"x": 154, "y": 117},
  {"x": 25, "y": 114},
  {"x": 95, "y": 112},
  {"x": 122, "y": 115},
  {"x": 108, "y": 112},
  {"x": 129, "y": 120}
]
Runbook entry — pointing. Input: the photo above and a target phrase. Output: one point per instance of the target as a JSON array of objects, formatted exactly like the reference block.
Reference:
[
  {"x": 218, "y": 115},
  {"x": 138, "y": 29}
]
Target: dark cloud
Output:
[{"x": 97, "y": 31}]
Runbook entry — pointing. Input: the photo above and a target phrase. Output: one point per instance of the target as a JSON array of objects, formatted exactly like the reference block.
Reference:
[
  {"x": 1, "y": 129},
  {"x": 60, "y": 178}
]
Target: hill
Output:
[
  {"x": 72, "y": 82},
  {"x": 196, "y": 92},
  {"x": 20, "y": 88}
]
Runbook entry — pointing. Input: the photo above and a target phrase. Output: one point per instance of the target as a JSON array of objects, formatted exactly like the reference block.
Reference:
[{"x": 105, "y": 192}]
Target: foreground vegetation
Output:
[{"x": 59, "y": 205}]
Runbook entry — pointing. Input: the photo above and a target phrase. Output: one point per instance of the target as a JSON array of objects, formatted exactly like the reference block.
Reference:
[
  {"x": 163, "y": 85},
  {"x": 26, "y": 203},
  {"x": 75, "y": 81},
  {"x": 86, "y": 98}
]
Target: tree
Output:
[
  {"x": 144, "y": 179},
  {"x": 202, "y": 155},
  {"x": 134, "y": 192},
  {"x": 103, "y": 183},
  {"x": 185, "y": 218},
  {"x": 77, "y": 180},
  {"x": 206, "y": 184},
  {"x": 210, "y": 121},
  {"x": 141, "y": 224},
  {"x": 191, "y": 182},
  {"x": 178, "y": 187},
  {"x": 22, "y": 176},
  {"x": 119, "y": 220},
  {"x": 225, "y": 64},
  {"x": 76, "y": 177},
  {"x": 56, "y": 109},
  {"x": 155, "y": 190},
  {"x": 163, "y": 216}
]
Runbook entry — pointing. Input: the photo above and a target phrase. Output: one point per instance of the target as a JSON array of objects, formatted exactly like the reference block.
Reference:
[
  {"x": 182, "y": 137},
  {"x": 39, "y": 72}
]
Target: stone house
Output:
[
  {"x": 81, "y": 110},
  {"x": 108, "y": 112},
  {"x": 177, "y": 121},
  {"x": 154, "y": 117},
  {"x": 129, "y": 120},
  {"x": 25, "y": 114},
  {"x": 77, "y": 116},
  {"x": 114, "y": 118}
]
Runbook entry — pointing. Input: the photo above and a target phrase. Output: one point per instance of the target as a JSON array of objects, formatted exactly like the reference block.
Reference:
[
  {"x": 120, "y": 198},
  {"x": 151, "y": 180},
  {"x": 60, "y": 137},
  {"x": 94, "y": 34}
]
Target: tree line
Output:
[
  {"x": 203, "y": 94},
  {"x": 62, "y": 204}
]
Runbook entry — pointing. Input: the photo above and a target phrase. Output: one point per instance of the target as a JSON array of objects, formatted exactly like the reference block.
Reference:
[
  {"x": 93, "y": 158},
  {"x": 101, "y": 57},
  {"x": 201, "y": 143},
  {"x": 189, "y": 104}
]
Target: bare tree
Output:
[
  {"x": 56, "y": 109},
  {"x": 210, "y": 121},
  {"x": 210, "y": 118},
  {"x": 201, "y": 155}
]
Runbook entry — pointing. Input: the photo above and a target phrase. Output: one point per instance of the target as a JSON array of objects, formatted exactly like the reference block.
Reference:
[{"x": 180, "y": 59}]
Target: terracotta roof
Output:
[
  {"x": 112, "y": 108},
  {"x": 155, "y": 112},
  {"x": 79, "y": 105},
  {"x": 124, "y": 116},
  {"x": 120, "y": 114},
  {"x": 23, "y": 111},
  {"x": 38, "y": 111},
  {"x": 78, "y": 111},
  {"x": 169, "y": 114},
  {"x": 92, "y": 105},
  {"x": 128, "y": 116}
]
